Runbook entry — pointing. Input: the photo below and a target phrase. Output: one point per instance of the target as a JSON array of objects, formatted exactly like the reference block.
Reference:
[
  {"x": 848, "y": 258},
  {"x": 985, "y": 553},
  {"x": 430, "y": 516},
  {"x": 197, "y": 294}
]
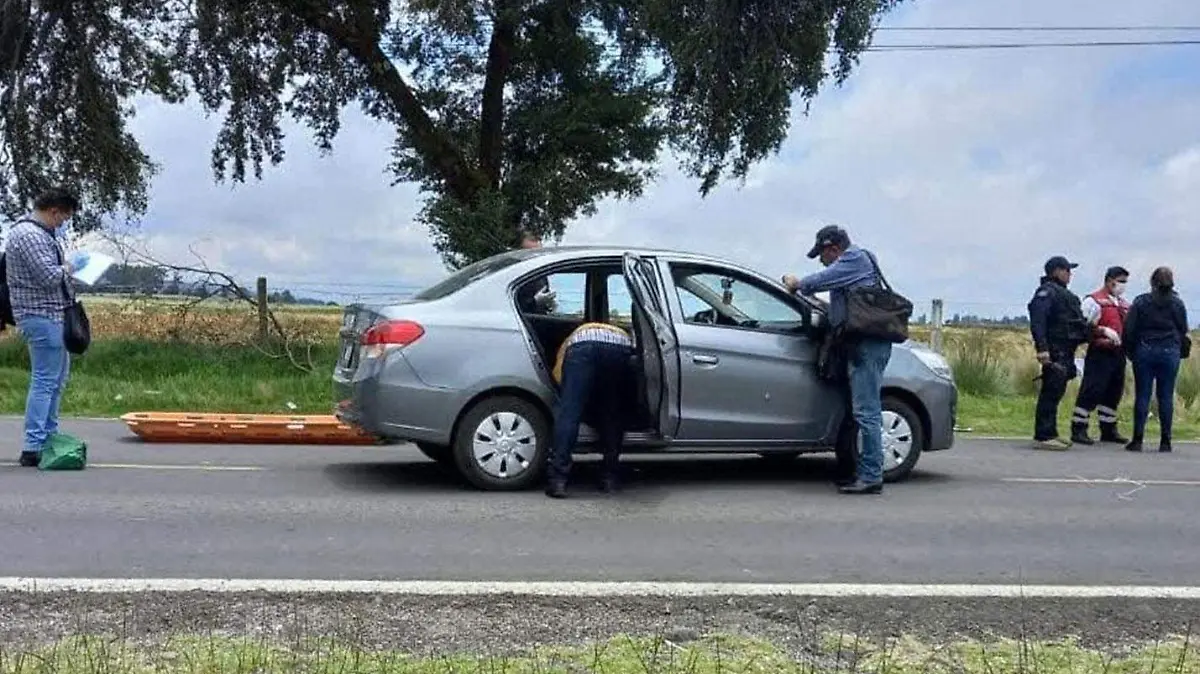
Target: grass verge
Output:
[
  {"x": 715, "y": 654},
  {"x": 117, "y": 376}
]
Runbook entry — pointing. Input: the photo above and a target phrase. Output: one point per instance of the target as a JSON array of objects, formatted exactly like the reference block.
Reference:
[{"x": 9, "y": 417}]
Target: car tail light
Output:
[{"x": 390, "y": 334}]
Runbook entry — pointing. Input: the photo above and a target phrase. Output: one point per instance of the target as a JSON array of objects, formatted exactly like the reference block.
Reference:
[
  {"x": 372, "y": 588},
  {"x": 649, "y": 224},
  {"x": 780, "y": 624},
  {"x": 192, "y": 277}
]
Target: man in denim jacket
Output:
[{"x": 848, "y": 266}]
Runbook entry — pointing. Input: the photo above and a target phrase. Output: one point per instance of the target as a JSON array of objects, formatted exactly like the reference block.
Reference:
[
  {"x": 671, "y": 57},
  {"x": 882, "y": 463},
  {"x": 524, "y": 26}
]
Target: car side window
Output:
[
  {"x": 619, "y": 301},
  {"x": 710, "y": 297},
  {"x": 561, "y": 294}
]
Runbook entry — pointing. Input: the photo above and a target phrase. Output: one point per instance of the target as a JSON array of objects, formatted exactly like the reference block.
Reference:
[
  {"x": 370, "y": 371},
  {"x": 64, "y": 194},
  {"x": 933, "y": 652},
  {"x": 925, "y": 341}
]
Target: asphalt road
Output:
[{"x": 984, "y": 512}]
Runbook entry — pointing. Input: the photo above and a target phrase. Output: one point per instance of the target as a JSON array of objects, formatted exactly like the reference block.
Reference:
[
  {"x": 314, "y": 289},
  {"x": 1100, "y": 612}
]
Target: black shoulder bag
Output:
[
  {"x": 77, "y": 329},
  {"x": 876, "y": 311}
]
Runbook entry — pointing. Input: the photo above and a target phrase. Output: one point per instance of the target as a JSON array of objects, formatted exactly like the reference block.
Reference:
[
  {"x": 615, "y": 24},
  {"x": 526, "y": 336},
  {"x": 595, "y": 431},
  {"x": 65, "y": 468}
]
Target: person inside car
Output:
[{"x": 536, "y": 297}]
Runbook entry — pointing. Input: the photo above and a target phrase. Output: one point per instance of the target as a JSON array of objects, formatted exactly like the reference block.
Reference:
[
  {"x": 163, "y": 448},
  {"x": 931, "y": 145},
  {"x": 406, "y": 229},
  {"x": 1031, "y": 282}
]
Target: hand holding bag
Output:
[{"x": 876, "y": 311}]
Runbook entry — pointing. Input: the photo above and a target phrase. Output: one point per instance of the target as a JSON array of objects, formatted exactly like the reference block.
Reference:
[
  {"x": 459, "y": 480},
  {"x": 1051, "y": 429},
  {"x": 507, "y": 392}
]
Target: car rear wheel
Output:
[
  {"x": 903, "y": 439},
  {"x": 501, "y": 444}
]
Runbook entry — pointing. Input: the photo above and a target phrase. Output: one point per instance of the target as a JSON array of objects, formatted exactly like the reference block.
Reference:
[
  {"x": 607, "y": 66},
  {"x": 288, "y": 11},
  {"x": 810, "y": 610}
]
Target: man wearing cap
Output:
[
  {"x": 848, "y": 266},
  {"x": 1058, "y": 326},
  {"x": 1104, "y": 365}
]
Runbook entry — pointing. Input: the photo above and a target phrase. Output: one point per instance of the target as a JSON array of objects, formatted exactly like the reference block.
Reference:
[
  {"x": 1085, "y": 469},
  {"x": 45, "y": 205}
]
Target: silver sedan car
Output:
[{"x": 727, "y": 357}]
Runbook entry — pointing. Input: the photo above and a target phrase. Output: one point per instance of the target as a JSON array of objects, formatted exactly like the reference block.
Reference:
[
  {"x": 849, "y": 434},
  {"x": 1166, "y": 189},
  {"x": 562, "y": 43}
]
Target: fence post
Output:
[
  {"x": 935, "y": 323},
  {"x": 264, "y": 327}
]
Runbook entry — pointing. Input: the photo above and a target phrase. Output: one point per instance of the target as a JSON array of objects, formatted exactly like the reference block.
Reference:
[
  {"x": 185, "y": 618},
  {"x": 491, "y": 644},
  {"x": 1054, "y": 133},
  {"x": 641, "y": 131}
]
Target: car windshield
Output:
[{"x": 470, "y": 274}]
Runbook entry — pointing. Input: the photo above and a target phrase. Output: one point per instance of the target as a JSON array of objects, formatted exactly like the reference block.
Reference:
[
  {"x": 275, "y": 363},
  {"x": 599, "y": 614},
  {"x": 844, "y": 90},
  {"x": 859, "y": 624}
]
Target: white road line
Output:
[
  {"x": 588, "y": 589},
  {"x": 168, "y": 466},
  {"x": 1099, "y": 481}
]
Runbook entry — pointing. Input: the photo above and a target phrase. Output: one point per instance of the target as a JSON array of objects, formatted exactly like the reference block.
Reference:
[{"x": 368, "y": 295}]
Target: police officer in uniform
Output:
[{"x": 1058, "y": 327}]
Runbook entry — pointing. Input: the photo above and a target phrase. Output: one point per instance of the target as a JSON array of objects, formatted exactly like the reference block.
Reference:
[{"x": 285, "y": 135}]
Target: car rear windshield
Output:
[{"x": 469, "y": 274}]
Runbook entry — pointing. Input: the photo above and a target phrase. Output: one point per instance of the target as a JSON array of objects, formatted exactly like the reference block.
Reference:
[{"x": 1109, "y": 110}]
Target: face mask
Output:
[{"x": 1118, "y": 289}]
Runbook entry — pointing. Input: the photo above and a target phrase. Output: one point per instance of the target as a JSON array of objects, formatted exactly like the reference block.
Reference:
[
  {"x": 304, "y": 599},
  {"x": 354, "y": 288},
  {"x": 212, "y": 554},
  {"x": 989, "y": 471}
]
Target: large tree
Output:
[{"x": 510, "y": 115}]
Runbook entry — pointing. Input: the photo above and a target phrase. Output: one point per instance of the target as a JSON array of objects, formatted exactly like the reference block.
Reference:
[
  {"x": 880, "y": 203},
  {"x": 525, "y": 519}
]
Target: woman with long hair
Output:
[{"x": 1156, "y": 338}]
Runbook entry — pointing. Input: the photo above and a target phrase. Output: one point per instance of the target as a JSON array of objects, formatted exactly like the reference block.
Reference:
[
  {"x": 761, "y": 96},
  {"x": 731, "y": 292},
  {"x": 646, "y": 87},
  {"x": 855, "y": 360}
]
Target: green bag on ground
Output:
[{"x": 63, "y": 452}]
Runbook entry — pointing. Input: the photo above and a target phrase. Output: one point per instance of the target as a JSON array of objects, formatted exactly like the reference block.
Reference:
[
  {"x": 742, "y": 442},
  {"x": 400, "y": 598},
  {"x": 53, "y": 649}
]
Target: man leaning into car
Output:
[
  {"x": 596, "y": 381},
  {"x": 848, "y": 266}
]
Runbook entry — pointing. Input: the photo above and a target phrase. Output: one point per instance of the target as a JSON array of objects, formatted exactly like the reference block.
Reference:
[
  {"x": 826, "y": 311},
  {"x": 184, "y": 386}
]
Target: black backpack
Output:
[{"x": 6, "y": 310}]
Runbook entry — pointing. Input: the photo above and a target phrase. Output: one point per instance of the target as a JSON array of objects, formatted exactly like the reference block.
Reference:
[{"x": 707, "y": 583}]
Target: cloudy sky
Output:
[{"x": 964, "y": 171}]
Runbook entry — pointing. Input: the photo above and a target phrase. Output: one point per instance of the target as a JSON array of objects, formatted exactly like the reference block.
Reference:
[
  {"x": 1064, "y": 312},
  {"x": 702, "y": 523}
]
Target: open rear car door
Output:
[{"x": 657, "y": 343}]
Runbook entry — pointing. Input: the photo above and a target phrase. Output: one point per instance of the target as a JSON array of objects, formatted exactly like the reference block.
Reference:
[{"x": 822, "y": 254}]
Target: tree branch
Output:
[
  {"x": 227, "y": 283},
  {"x": 499, "y": 62},
  {"x": 462, "y": 179}
]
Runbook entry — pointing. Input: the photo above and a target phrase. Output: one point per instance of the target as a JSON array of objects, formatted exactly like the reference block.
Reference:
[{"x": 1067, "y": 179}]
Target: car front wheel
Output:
[
  {"x": 903, "y": 439},
  {"x": 501, "y": 444}
]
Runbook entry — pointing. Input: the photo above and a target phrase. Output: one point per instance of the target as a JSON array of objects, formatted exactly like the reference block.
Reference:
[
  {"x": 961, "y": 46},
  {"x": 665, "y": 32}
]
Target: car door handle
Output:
[{"x": 704, "y": 359}]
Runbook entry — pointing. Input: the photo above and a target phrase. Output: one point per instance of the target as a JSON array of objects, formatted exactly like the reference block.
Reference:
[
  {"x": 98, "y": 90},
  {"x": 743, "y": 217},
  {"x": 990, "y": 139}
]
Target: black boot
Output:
[
  {"x": 30, "y": 459},
  {"x": 1164, "y": 444},
  {"x": 1109, "y": 433},
  {"x": 1134, "y": 445},
  {"x": 556, "y": 487},
  {"x": 1079, "y": 435}
]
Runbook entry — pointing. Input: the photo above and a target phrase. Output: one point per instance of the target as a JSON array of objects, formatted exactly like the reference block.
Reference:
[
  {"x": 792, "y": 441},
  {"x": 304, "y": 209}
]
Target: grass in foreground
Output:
[{"x": 710, "y": 655}]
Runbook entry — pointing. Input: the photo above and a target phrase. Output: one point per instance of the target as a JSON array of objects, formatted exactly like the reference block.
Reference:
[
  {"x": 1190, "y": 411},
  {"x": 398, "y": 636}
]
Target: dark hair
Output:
[
  {"x": 57, "y": 198},
  {"x": 1162, "y": 281},
  {"x": 1115, "y": 273}
]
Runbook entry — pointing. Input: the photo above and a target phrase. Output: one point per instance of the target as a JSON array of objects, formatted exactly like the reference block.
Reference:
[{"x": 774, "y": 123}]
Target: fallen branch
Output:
[{"x": 280, "y": 343}]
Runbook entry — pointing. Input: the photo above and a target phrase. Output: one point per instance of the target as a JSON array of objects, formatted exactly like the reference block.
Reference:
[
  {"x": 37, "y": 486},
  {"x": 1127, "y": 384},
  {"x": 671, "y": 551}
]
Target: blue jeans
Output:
[
  {"x": 1155, "y": 366},
  {"x": 50, "y": 365},
  {"x": 597, "y": 385},
  {"x": 867, "y": 361}
]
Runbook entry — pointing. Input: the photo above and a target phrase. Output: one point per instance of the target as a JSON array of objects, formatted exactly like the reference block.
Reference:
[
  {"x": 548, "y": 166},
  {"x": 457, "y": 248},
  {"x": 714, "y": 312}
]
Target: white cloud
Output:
[{"x": 963, "y": 170}]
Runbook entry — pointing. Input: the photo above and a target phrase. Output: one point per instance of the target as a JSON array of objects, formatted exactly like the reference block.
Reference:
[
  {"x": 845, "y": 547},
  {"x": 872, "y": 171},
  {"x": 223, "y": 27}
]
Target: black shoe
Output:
[
  {"x": 556, "y": 490},
  {"x": 1080, "y": 436},
  {"x": 1111, "y": 435},
  {"x": 859, "y": 487},
  {"x": 30, "y": 459},
  {"x": 1134, "y": 445},
  {"x": 1164, "y": 446}
]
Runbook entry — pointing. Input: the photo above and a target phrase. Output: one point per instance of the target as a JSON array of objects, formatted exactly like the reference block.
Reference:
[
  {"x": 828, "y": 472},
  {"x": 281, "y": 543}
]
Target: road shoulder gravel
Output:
[{"x": 509, "y": 624}]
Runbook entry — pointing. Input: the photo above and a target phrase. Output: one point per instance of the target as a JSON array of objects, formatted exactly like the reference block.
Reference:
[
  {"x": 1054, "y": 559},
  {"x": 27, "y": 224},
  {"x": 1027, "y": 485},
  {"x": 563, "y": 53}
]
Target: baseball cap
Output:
[
  {"x": 828, "y": 236},
  {"x": 1059, "y": 262}
]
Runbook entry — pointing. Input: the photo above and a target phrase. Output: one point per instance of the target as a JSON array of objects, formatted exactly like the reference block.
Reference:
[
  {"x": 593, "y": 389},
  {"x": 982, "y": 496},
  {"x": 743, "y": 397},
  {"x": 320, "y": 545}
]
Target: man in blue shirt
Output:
[{"x": 848, "y": 266}]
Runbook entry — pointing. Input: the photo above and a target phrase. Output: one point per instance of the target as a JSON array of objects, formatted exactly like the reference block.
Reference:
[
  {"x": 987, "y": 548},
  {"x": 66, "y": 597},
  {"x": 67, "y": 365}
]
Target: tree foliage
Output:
[{"x": 510, "y": 115}]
